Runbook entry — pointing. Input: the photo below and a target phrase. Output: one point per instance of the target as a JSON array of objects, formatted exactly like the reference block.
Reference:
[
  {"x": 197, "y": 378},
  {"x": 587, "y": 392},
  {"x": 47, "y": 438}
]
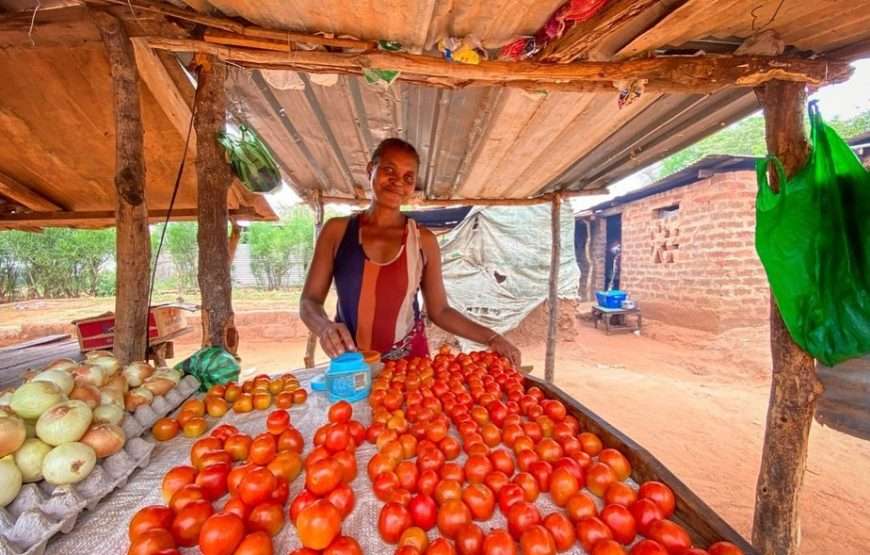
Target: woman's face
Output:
[{"x": 393, "y": 178}]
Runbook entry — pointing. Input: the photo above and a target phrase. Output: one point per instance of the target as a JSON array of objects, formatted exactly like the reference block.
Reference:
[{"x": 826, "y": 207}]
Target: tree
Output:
[
  {"x": 272, "y": 246},
  {"x": 181, "y": 247}
]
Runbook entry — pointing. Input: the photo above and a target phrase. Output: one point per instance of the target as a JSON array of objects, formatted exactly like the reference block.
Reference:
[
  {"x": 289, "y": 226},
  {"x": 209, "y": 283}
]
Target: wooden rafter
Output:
[
  {"x": 102, "y": 218},
  {"x": 25, "y": 196}
]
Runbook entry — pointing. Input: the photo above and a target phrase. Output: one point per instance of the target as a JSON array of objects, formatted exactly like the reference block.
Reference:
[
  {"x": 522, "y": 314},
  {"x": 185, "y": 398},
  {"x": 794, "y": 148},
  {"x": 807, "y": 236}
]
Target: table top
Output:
[{"x": 615, "y": 310}]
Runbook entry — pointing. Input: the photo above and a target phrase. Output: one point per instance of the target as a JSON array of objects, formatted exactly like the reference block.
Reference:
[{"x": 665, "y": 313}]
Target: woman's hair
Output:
[{"x": 396, "y": 143}]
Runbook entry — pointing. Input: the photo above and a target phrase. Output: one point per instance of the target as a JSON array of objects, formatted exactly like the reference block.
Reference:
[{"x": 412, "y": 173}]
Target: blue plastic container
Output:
[
  {"x": 348, "y": 378},
  {"x": 610, "y": 299}
]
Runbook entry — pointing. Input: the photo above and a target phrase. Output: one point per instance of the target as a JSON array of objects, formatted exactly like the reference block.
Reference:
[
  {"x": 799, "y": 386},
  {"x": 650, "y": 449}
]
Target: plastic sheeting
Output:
[{"x": 496, "y": 263}]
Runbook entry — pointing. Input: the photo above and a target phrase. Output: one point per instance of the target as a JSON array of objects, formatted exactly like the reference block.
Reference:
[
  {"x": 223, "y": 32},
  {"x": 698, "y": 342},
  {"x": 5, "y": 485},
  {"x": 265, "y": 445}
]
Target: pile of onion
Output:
[
  {"x": 105, "y": 439},
  {"x": 112, "y": 414},
  {"x": 87, "y": 393},
  {"x": 69, "y": 463},
  {"x": 64, "y": 422},
  {"x": 29, "y": 459},
  {"x": 12, "y": 432},
  {"x": 10, "y": 480},
  {"x": 89, "y": 374},
  {"x": 137, "y": 372},
  {"x": 108, "y": 364},
  {"x": 137, "y": 397},
  {"x": 60, "y": 378},
  {"x": 34, "y": 398}
]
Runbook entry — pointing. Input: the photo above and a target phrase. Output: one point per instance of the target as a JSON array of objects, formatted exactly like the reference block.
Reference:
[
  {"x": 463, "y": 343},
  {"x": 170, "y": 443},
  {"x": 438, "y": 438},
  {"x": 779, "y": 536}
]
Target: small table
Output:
[{"x": 607, "y": 314}]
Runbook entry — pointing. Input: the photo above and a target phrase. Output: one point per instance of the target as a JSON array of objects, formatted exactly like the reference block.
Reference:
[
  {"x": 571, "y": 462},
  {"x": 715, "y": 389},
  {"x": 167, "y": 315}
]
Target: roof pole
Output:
[
  {"x": 553, "y": 301},
  {"x": 311, "y": 344},
  {"x": 794, "y": 387},
  {"x": 133, "y": 243}
]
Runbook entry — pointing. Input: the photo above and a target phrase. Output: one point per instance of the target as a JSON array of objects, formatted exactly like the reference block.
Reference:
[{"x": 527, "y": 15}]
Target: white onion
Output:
[
  {"x": 12, "y": 432},
  {"x": 34, "y": 398},
  {"x": 111, "y": 396},
  {"x": 169, "y": 374},
  {"x": 10, "y": 480},
  {"x": 158, "y": 386},
  {"x": 137, "y": 397},
  {"x": 109, "y": 364},
  {"x": 112, "y": 414},
  {"x": 136, "y": 372},
  {"x": 106, "y": 439},
  {"x": 65, "y": 364},
  {"x": 97, "y": 354},
  {"x": 89, "y": 373},
  {"x": 64, "y": 422},
  {"x": 61, "y": 379},
  {"x": 29, "y": 459},
  {"x": 118, "y": 382},
  {"x": 87, "y": 393},
  {"x": 68, "y": 463},
  {"x": 6, "y": 398}
]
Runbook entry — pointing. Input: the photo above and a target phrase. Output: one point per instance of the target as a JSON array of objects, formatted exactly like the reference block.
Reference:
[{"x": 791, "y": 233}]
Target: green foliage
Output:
[
  {"x": 8, "y": 268},
  {"x": 181, "y": 247},
  {"x": 106, "y": 284},
  {"x": 272, "y": 245}
]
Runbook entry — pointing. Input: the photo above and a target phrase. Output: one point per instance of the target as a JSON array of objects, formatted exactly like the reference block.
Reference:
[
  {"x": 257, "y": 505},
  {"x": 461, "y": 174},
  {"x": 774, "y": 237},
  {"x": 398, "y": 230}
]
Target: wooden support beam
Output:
[
  {"x": 543, "y": 199},
  {"x": 311, "y": 342},
  {"x": 794, "y": 386},
  {"x": 24, "y": 195},
  {"x": 103, "y": 218},
  {"x": 553, "y": 300},
  {"x": 213, "y": 181},
  {"x": 133, "y": 240}
]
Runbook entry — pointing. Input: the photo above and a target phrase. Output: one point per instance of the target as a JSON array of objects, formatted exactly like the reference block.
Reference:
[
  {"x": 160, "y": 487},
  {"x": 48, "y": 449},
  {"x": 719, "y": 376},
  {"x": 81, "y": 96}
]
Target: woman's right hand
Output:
[{"x": 335, "y": 339}]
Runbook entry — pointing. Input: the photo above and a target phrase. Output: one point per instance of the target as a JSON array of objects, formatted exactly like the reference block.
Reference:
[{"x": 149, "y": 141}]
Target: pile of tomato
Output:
[
  {"x": 255, "y": 472},
  {"x": 517, "y": 444}
]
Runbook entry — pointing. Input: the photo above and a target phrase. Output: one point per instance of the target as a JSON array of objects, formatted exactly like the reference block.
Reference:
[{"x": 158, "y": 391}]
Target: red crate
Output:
[{"x": 98, "y": 332}]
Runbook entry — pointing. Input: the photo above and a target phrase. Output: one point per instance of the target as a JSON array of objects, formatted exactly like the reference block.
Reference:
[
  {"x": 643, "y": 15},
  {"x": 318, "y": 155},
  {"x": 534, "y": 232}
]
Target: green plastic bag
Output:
[
  {"x": 813, "y": 239},
  {"x": 251, "y": 160},
  {"x": 210, "y": 365}
]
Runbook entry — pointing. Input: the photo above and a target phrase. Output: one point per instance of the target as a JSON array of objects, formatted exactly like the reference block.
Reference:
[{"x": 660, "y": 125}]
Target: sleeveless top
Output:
[{"x": 378, "y": 302}]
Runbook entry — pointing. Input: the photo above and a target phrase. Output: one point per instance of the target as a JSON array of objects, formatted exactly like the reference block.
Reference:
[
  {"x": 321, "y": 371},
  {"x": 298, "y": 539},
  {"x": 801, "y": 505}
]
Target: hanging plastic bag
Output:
[
  {"x": 210, "y": 365},
  {"x": 251, "y": 160},
  {"x": 813, "y": 238}
]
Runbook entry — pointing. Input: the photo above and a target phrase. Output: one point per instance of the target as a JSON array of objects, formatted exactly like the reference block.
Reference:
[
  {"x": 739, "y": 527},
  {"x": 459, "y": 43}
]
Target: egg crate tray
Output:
[{"x": 41, "y": 510}]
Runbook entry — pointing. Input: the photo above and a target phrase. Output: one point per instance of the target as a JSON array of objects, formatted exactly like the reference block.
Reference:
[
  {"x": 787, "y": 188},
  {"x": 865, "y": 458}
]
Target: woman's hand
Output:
[
  {"x": 502, "y": 346},
  {"x": 336, "y": 339}
]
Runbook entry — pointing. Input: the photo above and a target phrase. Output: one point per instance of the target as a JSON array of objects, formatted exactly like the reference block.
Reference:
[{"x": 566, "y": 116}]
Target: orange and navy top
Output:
[{"x": 378, "y": 302}]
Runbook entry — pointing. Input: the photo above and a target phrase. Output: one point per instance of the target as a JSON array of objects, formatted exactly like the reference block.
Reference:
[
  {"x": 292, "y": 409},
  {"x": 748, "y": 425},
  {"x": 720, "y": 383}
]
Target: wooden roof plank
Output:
[{"x": 25, "y": 196}]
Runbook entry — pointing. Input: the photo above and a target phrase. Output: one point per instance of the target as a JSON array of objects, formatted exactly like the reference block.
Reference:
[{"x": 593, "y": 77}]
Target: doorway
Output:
[{"x": 612, "y": 254}]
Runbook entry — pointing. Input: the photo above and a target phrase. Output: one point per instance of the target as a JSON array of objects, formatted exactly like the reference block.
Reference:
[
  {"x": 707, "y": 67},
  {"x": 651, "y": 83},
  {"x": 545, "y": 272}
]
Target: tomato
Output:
[
  {"x": 495, "y": 480},
  {"x": 338, "y": 439},
  {"x": 202, "y": 446},
  {"x": 525, "y": 458},
  {"x": 480, "y": 500},
  {"x": 291, "y": 440},
  {"x": 340, "y": 412},
  {"x": 441, "y": 546},
  {"x": 263, "y": 450},
  {"x": 262, "y": 401},
  {"x": 508, "y": 496},
  {"x": 591, "y": 530},
  {"x": 284, "y": 400},
  {"x": 381, "y": 463},
  {"x": 617, "y": 461},
  {"x": 452, "y": 471},
  {"x": 645, "y": 512},
  {"x": 549, "y": 450},
  {"x": 194, "y": 427},
  {"x": 301, "y": 501},
  {"x": 694, "y": 551},
  {"x": 347, "y": 461},
  {"x": 185, "y": 495},
  {"x": 238, "y": 446},
  {"x": 146, "y": 518},
  {"x": 621, "y": 523},
  {"x": 343, "y": 498},
  {"x": 165, "y": 429},
  {"x": 469, "y": 540},
  {"x": 620, "y": 493},
  {"x": 256, "y": 486},
  {"x": 281, "y": 492},
  {"x": 188, "y": 522},
  {"x": 499, "y": 542},
  {"x": 452, "y": 514},
  {"x": 407, "y": 474},
  {"x": 323, "y": 476},
  {"x": 300, "y": 396},
  {"x": 357, "y": 432},
  {"x": 447, "y": 490},
  {"x": 599, "y": 476},
  {"x": 554, "y": 409},
  {"x": 608, "y": 547},
  {"x": 216, "y": 406},
  {"x": 213, "y": 480},
  {"x": 287, "y": 465},
  {"x": 671, "y": 535},
  {"x": 237, "y": 507},
  {"x": 278, "y": 422},
  {"x": 424, "y": 511},
  {"x": 152, "y": 542},
  {"x": 724, "y": 548},
  {"x": 267, "y": 517},
  {"x": 234, "y": 479},
  {"x": 562, "y": 530},
  {"x": 414, "y": 537},
  {"x": 648, "y": 547},
  {"x": 343, "y": 545},
  {"x": 392, "y": 521},
  {"x": 318, "y": 524},
  {"x": 529, "y": 485},
  {"x": 590, "y": 443},
  {"x": 502, "y": 461},
  {"x": 257, "y": 543},
  {"x": 221, "y": 534},
  {"x": 521, "y": 516},
  {"x": 536, "y": 540},
  {"x": 175, "y": 479},
  {"x": 245, "y": 403},
  {"x": 660, "y": 494}
]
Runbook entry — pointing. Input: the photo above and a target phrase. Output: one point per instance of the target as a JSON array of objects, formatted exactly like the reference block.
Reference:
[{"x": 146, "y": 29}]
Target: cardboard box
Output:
[{"x": 164, "y": 322}]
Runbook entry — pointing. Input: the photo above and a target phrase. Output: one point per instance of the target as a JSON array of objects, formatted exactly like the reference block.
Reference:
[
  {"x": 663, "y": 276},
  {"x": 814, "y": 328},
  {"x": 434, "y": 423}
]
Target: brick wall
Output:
[
  {"x": 695, "y": 265},
  {"x": 597, "y": 253}
]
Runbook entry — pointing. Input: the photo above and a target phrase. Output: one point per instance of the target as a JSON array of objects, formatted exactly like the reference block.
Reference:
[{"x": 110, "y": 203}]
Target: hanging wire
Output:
[
  {"x": 769, "y": 21},
  {"x": 33, "y": 22}
]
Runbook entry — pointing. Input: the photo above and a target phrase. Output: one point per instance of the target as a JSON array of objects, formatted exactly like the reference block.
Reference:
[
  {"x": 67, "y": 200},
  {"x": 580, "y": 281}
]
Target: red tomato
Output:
[
  {"x": 318, "y": 524},
  {"x": 450, "y": 447},
  {"x": 184, "y": 496},
  {"x": 151, "y": 542},
  {"x": 263, "y": 449},
  {"x": 384, "y": 484},
  {"x": 238, "y": 446},
  {"x": 608, "y": 547},
  {"x": 542, "y": 471},
  {"x": 452, "y": 471},
  {"x": 301, "y": 501},
  {"x": 393, "y": 520},
  {"x": 347, "y": 461},
  {"x": 648, "y": 547},
  {"x": 343, "y": 545},
  {"x": 724, "y": 548},
  {"x": 452, "y": 514},
  {"x": 548, "y": 449},
  {"x": 536, "y": 540},
  {"x": 522, "y": 516},
  {"x": 323, "y": 476},
  {"x": 525, "y": 458},
  {"x": 278, "y": 421},
  {"x": 153, "y": 516},
  {"x": 340, "y": 412},
  {"x": 203, "y": 446},
  {"x": 563, "y": 486},
  {"x": 213, "y": 480},
  {"x": 291, "y": 440},
  {"x": 407, "y": 473},
  {"x": 590, "y": 443},
  {"x": 591, "y": 530},
  {"x": 257, "y": 543},
  {"x": 670, "y": 534},
  {"x": 529, "y": 485},
  {"x": 476, "y": 468},
  {"x": 562, "y": 530},
  {"x": 599, "y": 476},
  {"x": 501, "y": 460},
  {"x": 343, "y": 499},
  {"x": 499, "y": 542},
  {"x": 469, "y": 540},
  {"x": 495, "y": 480},
  {"x": 175, "y": 479},
  {"x": 221, "y": 534},
  {"x": 571, "y": 466},
  {"x": 645, "y": 512},
  {"x": 615, "y": 460},
  {"x": 621, "y": 523},
  {"x": 508, "y": 496},
  {"x": 447, "y": 490},
  {"x": 338, "y": 438},
  {"x": 660, "y": 494},
  {"x": 427, "y": 481},
  {"x": 257, "y": 486},
  {"x": 480, "y": 501},
  {"x": 440, "y": 546},
  {"x": 267, "y": 517},
  {"x": 189, "y": 521},
  {"x": 620, "y": 493},
  {"x": 237, "y": 507},
  {"x": 424, "y": 511}
]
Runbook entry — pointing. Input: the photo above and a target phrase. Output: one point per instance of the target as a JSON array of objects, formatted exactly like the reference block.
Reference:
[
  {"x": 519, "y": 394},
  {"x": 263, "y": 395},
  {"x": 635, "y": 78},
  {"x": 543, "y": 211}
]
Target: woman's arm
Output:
[
  {"x": 448, "y": 318},
  {"x": 334, "y": 338}
]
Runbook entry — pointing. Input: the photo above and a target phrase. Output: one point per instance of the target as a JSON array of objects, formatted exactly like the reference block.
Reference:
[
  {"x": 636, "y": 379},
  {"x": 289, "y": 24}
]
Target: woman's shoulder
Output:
[{"x": 335, "y": 225}]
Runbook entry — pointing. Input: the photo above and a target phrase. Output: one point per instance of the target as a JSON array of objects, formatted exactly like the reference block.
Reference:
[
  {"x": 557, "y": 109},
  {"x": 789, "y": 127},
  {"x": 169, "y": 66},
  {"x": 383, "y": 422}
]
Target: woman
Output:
[{"x": 380, "y": 259}]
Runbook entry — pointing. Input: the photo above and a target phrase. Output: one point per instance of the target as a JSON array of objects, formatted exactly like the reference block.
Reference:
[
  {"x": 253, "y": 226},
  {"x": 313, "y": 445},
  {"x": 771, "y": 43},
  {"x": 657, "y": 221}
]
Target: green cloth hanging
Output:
[
  {"x": 210, "y": 365},
  {"x": 813, "y": 238}
]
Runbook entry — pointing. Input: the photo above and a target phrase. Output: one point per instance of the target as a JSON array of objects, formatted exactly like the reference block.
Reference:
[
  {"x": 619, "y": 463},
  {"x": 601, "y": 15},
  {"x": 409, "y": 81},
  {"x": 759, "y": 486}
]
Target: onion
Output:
[
  {"x": 97, "y": 354},
  {"x": 158, "y": 386},
  {"x": 112, "y": 414},
  {"x": 64, "y": 422},
  {"x": 34, "y": 398},
  {"x": 29, "y": 459},
  {"x": 29, "y": 374},
  {"x": 169, "y": 374},
  {"x": 87, "y": 393},
  {"x": 111, "y": 396},
  {"x": 12, "y": 432},
  {"x": 89, "y": 373},
  {"x": 6, "y": 397},
  {"x": 61, "y": 379},
  {"x": 106, "y": 439},
  {"x": 68, "y": 463},
  {"x": 137, "y": 397},
  {"x": 136, "y": 372},
  {"x": 30, "y": 428},
  {"x": 109, "y": 364},
  {"x": 65, "y": 364},
  {"x": 118, "y": 382},
  {"x": 10, "y": 480}
]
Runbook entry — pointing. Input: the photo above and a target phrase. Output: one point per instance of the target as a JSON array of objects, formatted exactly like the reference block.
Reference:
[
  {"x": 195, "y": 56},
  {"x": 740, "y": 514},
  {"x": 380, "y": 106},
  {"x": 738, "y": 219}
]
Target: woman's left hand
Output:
[{"x": 502, "y": 346}]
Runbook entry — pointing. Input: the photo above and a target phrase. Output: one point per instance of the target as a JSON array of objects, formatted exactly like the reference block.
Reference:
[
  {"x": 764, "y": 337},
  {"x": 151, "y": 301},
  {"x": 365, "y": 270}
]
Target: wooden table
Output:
[{"x": 606, "y": 314}]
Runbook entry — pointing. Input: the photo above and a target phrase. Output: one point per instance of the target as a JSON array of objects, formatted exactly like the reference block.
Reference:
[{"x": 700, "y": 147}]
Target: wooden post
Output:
[
  {"x": 553, "y": 301},
  {"x": 311, "y": 344},
  {"x": 213, "y": 181},
  {"x": 133, "y": 243},
  {"x": 235, "y": 237},
  {"x": 590, "y": 265},
  {"x": 794, "y": 387}
]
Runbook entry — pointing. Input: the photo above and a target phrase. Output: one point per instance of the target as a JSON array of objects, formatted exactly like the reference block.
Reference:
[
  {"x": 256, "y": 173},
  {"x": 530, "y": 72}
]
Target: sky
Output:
[{"x": 843, "y": 100}]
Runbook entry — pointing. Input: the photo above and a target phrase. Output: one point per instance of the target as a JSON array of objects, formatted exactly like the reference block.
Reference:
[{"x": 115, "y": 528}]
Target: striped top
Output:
[{"x": 378, "y": 302}]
